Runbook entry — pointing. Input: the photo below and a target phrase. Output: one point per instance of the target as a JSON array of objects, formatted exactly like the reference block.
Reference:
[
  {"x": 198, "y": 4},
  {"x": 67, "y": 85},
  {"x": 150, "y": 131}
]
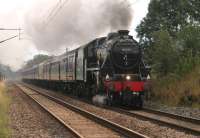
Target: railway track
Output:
[
  {"x": 176, "y": 116},
  {"x": 190, "y": 125},
  {"x": 81, "y": 123}
]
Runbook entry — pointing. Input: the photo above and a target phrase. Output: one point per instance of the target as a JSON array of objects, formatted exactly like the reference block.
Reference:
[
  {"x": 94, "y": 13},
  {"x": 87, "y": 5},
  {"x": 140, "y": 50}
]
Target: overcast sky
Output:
[{"x": 17, "y": 13}]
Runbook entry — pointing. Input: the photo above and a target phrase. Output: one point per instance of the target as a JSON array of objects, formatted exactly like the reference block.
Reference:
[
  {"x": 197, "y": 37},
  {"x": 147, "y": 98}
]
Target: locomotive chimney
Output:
[{"x": 123, "y": 32}]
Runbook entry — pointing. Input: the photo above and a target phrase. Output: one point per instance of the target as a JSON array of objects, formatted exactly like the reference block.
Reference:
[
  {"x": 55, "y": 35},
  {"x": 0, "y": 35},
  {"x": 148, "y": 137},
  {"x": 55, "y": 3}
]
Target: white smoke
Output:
[
  {"x": 78, "y": 22},
  {"x": 99, "y": 100}
]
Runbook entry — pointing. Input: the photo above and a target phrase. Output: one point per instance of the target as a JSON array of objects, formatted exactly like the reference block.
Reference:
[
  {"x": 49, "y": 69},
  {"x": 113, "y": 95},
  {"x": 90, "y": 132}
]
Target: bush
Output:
[
  {"x": 175, "y": 65},
  {"x": 174, "y": 90}
]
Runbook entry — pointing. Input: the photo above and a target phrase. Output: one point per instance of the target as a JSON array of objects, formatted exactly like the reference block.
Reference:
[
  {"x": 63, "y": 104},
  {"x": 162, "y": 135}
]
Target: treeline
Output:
[
  {"x": 6, "y": 71},
  {"x": 36, "y": 60},
  {"x": 12, "y": 75},
  {"x": 175, "y": 56},
  {"x": 170, "y": 35}
]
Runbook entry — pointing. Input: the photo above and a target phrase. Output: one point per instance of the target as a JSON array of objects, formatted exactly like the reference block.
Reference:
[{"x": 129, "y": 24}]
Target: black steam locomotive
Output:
[{"x": 110, "y": 66}]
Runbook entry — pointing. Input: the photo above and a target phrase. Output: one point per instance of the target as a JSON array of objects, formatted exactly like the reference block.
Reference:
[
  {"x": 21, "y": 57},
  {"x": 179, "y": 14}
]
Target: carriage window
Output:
[
  {"x": 90, "y": 51},
  {"x": 66, "y": 64},
  {"x": 70, "y": 63}
]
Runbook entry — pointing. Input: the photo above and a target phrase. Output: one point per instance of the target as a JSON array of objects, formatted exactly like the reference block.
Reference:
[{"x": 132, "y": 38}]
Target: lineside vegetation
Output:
[
  {"x": 176, "y": 67},
  {"x": 4, "y": 106},
  {"x": 170, "y": 35}
]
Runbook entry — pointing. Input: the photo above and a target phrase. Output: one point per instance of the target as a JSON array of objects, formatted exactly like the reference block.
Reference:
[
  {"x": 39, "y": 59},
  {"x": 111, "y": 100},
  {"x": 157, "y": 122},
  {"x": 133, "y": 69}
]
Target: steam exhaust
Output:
[{"x": 99, "y": 100}]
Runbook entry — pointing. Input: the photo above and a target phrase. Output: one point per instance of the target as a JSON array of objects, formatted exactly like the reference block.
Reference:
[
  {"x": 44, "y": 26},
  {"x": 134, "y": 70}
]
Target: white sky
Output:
[{"x": 12, "y": 15}]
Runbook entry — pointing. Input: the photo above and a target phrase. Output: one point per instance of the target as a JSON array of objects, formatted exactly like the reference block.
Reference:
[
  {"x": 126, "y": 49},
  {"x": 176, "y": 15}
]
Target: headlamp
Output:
[{"x": 128, "y": 77}]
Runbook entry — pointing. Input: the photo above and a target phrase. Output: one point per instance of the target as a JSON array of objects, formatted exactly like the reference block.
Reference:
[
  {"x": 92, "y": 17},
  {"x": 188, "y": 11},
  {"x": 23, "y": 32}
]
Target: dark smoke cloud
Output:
[{"x": 78, "y": 22}]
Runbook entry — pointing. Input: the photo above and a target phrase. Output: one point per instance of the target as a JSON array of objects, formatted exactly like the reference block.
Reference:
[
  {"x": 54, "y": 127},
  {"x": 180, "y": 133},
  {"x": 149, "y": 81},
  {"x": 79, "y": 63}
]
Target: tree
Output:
[
  {"x": 6, "y": 71},
  {"x": 170, "y": 15},
  {"x": 188, "y": 43},
  {"x": 163, "y": 54},
  {"x": 189, "y": 40},
  {"x": 36, "y": 60}
]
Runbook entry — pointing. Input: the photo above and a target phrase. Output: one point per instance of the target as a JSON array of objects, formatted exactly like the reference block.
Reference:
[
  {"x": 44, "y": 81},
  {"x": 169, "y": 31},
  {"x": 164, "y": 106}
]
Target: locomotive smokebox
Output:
[{"x": 123, "y": 32}]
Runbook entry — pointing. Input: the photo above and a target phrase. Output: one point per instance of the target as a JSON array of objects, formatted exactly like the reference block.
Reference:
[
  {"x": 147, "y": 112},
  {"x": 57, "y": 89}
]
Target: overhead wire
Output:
[
  {"x": 58, "y": 7},
  {"x": 55, "y": 11},
  {"x": 51, "y": 12},
  {"x": 8, "y": 38}
]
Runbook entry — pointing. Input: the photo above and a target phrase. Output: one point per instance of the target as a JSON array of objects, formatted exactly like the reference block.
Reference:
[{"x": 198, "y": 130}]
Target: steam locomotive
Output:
[{"x": 110, "y": 66}]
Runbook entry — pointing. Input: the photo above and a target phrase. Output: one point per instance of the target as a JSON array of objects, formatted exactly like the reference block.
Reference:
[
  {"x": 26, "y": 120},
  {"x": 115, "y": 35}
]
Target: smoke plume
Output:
[{"x": 78, "y": 22}]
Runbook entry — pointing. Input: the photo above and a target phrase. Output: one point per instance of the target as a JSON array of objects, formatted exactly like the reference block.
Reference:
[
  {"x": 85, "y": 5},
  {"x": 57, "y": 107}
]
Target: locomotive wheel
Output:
[
  {"x": 91, "y": 92},
  {"x": 77, "y": 93},
  {"x": 140, "y": 102},
  {"x": 110, "y": 101},
  {"x": 80, "y": 90}
]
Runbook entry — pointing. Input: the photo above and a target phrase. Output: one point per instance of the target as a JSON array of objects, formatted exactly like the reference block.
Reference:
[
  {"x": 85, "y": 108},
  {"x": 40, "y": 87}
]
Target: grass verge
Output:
[
  {"x": 4, "y": 106},
  {"x": 178, "y": 91}
]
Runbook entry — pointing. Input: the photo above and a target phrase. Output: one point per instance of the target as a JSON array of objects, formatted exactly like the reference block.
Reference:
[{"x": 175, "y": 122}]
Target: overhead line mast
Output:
[{"x": 12, "y": 29}]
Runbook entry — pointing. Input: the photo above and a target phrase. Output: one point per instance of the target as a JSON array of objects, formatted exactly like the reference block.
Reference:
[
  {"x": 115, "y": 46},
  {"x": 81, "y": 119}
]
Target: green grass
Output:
[
  {"x": 4, "y": 106},
  {"x": 178, "y": 91}
]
